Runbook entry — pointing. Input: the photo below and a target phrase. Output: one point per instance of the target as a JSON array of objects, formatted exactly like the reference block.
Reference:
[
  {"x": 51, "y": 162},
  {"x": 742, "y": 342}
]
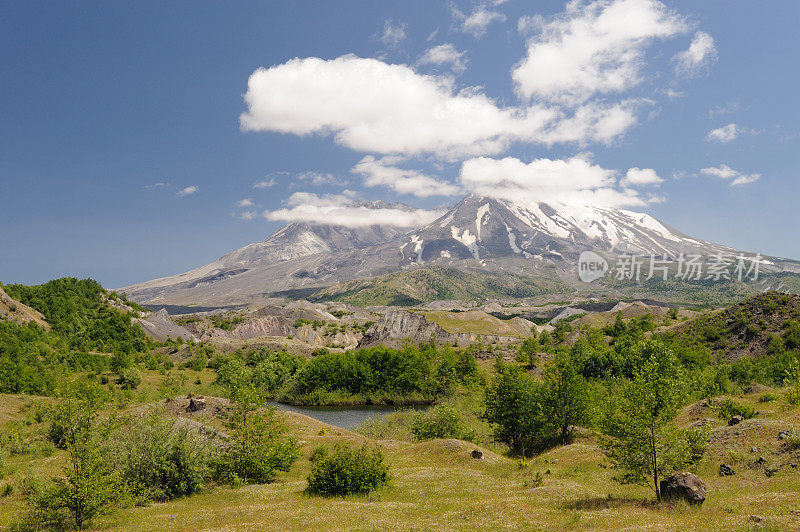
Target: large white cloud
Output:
[
  {"x": 375, "y": 107},
  {"x": 339, "y": 209},
  {"x": 575, "y": 181},
  {"x": 384, "y": 172},
  {"x": 591, "y": 48}
]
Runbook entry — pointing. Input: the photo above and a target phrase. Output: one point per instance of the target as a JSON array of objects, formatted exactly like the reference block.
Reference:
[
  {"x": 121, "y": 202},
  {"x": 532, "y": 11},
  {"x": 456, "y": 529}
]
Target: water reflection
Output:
[{"x": 346, "y": 417}]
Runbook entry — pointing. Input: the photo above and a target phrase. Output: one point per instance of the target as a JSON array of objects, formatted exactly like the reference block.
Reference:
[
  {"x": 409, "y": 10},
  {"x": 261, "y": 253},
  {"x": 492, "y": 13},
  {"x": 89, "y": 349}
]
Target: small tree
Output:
[
  {"x": 567, "y": 396},
  {"x": 641, "y": 443},
  {"x": 89, "y": 485},
  {"x": 516, "y": 404},
  {"x": 259, "y": 446}
]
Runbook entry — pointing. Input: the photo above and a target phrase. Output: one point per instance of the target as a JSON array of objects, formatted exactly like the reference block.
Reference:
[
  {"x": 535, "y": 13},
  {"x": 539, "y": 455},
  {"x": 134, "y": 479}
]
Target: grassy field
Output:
[
  {"x": 437, "y": 485},
  {"x": 474, "y": 322}
]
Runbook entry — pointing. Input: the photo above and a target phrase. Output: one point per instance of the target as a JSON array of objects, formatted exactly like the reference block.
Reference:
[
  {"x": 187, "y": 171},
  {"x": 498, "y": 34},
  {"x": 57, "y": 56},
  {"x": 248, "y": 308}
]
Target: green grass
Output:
[{"x": 437, "y": 486}]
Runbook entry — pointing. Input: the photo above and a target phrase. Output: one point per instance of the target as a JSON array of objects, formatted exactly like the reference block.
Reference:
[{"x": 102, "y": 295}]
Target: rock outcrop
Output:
[
  {"x": 686, "y": 486},
  {"x": 399, "y": 325},
  {"x": 160, "y": 327}
]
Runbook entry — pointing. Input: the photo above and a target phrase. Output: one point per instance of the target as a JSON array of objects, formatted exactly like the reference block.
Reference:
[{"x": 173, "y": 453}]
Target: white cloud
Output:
[
  {"x": 724, "y": 133},
  {"x": 245, "y": 215},
  {"x": 736, "y": 178},
  {"x": 157, "y": 185},
  {"x": 265, "y": 183},
  {"x": 383, "y": 172},
  {"x": 591, "y": 48},
  {"x": 371, "y": 106},
  {"x": 478, "y": 21},
  {"x": 641, "y": 176},
  {"x": 444, "y": 54},
  {"x": 187, "y": 191},
  {"x": 320, "y": 178},
  {"x": 730, "y": 132},
  {"x": 246, "y": 202},
  {"x": 573, "y": 181},
  {"x": 700, "y": 54},
  {"x": 343, "y": 210},
  {"x": 393, "y": 34}
]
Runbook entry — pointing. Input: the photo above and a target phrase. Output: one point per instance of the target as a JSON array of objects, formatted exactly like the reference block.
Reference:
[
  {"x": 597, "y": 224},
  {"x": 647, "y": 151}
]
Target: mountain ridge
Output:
[{"x": 541, "y": 240}]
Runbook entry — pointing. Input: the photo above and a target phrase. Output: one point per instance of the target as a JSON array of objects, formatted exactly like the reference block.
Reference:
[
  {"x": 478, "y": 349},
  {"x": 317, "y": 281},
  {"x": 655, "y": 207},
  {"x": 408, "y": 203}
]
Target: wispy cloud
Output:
[
  {"x": 728, "y": 133},
  {"x": 736, "y": 178},
  {"x": 321, "y": 178},
  {"x": 723, "y": 109},
  {"x": 155, "y": 186},
  {"x": 444, "y": 54},
  {"x": 246, "y": 202},
  {"x": 187, "y": 191},
  {"x": 393, "y": 34},
  {"x": 478, "y": 20},
  {"x": 701, "y": 52},
  {"x": 265, "y": 183}
]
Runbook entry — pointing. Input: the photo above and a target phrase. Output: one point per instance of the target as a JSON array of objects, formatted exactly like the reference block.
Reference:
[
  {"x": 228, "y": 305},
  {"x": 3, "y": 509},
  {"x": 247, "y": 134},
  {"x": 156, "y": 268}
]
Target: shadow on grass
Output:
[{"x": 610, "y": 501}]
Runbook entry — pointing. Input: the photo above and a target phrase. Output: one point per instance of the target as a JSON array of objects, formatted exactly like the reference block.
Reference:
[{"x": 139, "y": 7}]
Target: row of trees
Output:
[
  {"x": 634, "y": 413},
  {"x": 378, "y": 375}
]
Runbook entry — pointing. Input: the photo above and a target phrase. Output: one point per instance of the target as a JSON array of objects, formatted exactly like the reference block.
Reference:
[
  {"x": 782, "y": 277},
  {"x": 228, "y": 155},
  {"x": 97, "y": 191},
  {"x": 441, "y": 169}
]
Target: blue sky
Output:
[{"x": 123, "y": 155}]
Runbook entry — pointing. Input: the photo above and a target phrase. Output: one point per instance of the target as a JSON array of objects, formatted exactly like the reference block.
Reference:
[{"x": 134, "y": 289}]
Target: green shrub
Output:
[
  {"x": 129, "y": 379},
  {"x": 729, "y": 408},
  {"x": 259, "y": 447},
  {"x": 442, "y": 421},
  {"x": 793, "y": 396},
  {"x": 159, "y": 458},
  {"x": 342, "y": 470},
  {"x": 767, "y": 397}
]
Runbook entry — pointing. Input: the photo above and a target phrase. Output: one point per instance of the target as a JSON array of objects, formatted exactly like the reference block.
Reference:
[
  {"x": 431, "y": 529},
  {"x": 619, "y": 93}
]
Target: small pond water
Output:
[{"x": 345, "y": 417}]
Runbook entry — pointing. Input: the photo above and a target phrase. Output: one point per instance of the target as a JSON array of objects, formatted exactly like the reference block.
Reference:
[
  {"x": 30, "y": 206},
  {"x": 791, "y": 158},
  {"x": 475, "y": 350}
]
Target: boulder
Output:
[
  {"x": 725, "y": 470},
  {"x": 476, "y": 454},
  {"x": 735, "y": 420},
  {"x": 782, "y": 435},
  {"x": 686, "y": 486}
]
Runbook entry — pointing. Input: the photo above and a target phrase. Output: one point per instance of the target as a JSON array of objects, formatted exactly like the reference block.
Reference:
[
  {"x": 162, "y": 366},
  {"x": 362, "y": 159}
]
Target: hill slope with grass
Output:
[{"x": 425, "y": 284}]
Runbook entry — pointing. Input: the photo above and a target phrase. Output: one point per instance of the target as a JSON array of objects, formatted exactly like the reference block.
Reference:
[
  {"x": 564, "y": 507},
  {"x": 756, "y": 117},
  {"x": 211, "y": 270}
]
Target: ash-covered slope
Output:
[
  {"x": 541, "y": 240},
  {"x": 277, "y": 263}
]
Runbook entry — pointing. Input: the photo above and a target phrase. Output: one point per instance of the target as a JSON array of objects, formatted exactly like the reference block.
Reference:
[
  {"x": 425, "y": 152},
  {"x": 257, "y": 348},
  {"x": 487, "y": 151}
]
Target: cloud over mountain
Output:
[{"x": 339, "y": 209}]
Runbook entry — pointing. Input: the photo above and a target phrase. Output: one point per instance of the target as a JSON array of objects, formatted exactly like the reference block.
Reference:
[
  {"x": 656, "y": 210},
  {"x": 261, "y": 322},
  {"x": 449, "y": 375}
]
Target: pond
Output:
[{"x": 345, "y": 417}]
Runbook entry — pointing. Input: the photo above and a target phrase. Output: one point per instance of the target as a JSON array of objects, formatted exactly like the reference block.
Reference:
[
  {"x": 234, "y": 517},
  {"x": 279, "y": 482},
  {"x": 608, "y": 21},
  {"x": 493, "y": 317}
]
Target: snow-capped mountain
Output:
[
  {"x": 482, "y": 231},
  {"x": 481, "y": 228}
]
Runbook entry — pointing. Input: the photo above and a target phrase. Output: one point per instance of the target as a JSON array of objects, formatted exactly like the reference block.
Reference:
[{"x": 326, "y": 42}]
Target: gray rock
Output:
[
  {"x": 686, "y": 486},
  {"x": 755, "y": 519},
  {"x": 782, "y": 435},
  {"x": 735, "y": 420},
  {"x": 726, "y": 471},
  {"x": 476, "y": 454}
]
